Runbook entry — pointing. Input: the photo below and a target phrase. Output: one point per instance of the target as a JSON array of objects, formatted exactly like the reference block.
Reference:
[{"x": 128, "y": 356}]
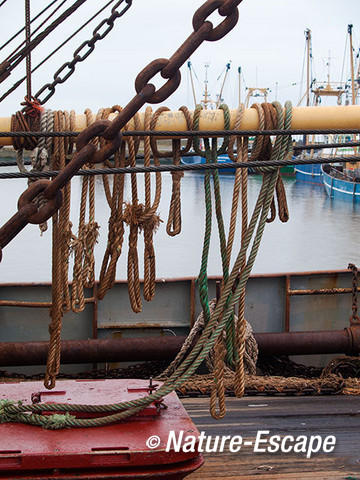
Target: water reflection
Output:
[{"x": 321, "y": 234}]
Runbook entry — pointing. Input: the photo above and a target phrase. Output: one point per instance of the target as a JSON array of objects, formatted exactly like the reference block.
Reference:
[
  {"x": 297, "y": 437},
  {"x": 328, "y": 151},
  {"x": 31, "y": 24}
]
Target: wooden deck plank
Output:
[{"x": 331, "y": 415}]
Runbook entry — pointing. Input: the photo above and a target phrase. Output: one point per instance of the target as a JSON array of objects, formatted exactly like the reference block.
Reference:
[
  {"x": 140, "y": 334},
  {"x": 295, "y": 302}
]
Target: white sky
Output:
[{"x": 268, "y": 43}]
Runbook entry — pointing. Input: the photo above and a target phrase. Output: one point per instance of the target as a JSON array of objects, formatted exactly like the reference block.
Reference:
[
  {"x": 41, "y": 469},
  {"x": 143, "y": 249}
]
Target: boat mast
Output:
[
  {"x": 353, "y": 96},
  {"x": 206, "y": 95},
  {"x": 239, "y": 72},
  {"x": 192, "y": 81},
  {"x": 222, "y": 86},
  {"x": 308, "y": 48}
]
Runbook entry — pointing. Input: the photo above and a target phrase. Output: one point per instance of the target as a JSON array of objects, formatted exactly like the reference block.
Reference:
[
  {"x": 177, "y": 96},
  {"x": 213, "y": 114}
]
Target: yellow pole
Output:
[{"x": 328, "y": 117}]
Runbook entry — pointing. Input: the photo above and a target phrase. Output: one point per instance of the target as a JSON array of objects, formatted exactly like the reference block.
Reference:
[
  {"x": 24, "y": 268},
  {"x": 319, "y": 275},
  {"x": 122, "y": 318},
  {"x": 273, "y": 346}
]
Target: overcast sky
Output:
[{"x": 268, "y": 43}]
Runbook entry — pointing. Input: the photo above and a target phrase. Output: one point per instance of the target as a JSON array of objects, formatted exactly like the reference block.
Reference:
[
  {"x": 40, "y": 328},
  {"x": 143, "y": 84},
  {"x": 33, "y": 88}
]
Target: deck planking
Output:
[{"x": 321, "y": 415}]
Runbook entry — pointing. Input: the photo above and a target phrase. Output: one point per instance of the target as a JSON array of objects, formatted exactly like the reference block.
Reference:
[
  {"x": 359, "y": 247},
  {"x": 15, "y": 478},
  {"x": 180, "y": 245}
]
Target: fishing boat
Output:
[
  {"x": 342, "y": 181},
  {"x": 312, "y": 173},
  {"x": 197, "y": 160},
  {"x": 83, "y": 421},
  {"x": 340, "y": 185},
  {"x": 309, "y": 173}
]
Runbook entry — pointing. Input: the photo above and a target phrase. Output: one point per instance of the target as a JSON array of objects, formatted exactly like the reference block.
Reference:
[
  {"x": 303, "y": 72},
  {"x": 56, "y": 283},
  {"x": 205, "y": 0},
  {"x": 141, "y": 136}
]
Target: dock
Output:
[{"x": 324, "y": 415}]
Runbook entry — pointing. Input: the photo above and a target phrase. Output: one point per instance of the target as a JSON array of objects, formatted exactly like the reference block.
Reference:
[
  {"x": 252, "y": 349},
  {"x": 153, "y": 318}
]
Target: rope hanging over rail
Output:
[{"x": 218, "y": 321}]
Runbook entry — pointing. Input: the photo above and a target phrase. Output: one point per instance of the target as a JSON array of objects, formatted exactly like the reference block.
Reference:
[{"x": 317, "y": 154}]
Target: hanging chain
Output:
[
  {"x": 82, "y": 52},
  {"x": 204, "y": 30},
  {"x": 354, "y": 319}
]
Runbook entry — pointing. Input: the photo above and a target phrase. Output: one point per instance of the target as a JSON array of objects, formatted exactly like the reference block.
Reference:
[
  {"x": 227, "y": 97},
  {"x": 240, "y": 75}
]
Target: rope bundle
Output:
[{"x": 222, "y": 333}]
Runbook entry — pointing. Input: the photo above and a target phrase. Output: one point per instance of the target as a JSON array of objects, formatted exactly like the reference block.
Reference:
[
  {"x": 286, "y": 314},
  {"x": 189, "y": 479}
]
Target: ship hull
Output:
[{"x": 341, "y": 189}]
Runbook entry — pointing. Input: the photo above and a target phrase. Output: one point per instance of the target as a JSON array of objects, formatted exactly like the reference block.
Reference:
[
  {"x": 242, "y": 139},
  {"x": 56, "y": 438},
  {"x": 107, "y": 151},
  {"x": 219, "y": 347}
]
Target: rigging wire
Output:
[
  {"x": 19, "y": 82},
  {"x": 302, "y": 77},
  {"x": 13, "y": 62},
  {"x": 2, "y": 3},
  {"x": 37, "y": 28},
  {"x": 23, "y": 28},
  {"x": 344, "y": 57},
  {"x": 28, "y": 56},
  {"x": 184, "y": 167}
]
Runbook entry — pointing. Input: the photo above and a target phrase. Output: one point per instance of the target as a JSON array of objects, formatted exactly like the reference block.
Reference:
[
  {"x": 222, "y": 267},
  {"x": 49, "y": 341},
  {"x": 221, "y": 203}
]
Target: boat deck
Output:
[{"x": 330, "y": 415}]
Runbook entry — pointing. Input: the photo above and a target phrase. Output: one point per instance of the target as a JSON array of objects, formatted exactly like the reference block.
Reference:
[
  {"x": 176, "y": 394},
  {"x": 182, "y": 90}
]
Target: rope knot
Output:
[
  {"x": 59, "y": 421},
  {"x": 177, "y": 175},
  {"x": 32, "y": 107},
  {"x": 5, "y": 415},
  {"x": 133, "y": 213}
]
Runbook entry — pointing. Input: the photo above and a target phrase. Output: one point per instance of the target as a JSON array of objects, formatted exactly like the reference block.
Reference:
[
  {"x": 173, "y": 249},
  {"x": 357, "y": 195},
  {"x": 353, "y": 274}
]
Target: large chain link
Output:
[
  {"x": 146, "y": 92},
  {"x": 81, "y": 53}
]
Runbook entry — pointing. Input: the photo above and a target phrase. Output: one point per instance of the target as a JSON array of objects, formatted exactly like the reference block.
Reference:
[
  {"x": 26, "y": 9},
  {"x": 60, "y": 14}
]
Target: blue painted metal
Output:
[
  {"x": 309, "y": 174},
  {"x": 340, "y": 188},
  {"x": 196, "y": 160}
]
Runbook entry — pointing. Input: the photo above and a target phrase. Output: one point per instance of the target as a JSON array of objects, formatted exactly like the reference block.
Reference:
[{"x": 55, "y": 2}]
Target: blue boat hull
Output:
[
  {"x": 341, "y": 189},
  {"x": 196, "y": 160},
  {"x": 309, "y": 174}
]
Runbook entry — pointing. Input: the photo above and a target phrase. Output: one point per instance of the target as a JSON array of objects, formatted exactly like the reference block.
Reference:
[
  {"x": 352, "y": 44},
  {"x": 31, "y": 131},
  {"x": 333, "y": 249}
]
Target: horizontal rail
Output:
[
  {"x": 322, "y": 291},
  {"x": 328, "y": 117},
  {"x": 20, "y": 303},
  {"x": 165, "y": 348}
]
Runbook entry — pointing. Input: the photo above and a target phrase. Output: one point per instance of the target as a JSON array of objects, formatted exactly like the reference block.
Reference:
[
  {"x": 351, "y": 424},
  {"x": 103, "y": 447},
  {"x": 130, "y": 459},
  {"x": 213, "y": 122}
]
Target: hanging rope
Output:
[
  {"x": 62, "y": 236},
  {"x": 215, "y": 322},
  {"x": 116, "y": 225},
  {"x": 84, "y": 244},
  {"x": 173, "y": 226},
  {"x": 241, "y": 178},
  {"x": 41, "y": 156}
]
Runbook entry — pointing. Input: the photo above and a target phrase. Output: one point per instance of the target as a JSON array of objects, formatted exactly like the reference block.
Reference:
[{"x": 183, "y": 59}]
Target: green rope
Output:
[{"x": 231, "y": 292}]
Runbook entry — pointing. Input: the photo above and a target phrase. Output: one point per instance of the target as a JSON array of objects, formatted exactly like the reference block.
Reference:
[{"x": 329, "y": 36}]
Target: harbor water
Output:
[{"x": 321, "y": 234}]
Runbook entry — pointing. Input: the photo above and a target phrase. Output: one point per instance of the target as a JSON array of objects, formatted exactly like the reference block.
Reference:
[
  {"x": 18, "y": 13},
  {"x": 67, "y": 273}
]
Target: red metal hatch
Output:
[{"x": 116, "y": 451}]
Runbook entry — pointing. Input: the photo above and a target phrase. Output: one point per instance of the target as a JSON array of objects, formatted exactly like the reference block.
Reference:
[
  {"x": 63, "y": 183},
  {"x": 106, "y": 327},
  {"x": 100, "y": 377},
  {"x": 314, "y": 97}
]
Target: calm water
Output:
[{"x": 321, "y": 233}]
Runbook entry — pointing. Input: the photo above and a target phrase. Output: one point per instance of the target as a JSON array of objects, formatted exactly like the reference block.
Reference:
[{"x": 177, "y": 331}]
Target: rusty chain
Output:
[
  {"x": 83, "y": 51},
  {"x": 111, "y": 131},
  {"x": 354, "y": 319}
]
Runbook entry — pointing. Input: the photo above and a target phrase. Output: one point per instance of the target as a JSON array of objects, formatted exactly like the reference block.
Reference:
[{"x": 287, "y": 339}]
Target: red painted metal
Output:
[{"x": 113, "y": 452}]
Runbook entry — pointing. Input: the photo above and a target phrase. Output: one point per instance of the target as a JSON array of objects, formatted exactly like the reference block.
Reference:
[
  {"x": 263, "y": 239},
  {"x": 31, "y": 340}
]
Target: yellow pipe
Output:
[{"x": 337, "y": 117}]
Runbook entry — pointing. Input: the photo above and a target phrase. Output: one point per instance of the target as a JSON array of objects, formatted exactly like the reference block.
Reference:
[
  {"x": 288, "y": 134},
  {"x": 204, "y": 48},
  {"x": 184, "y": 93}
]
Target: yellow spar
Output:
[{"x": 334, "y": 117}]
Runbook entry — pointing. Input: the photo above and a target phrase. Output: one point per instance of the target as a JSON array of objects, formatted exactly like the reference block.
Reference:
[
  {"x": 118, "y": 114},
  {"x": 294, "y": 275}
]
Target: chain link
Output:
[
  {"x": 78, "y": 57},
  {"x": 111, "y": 131}
]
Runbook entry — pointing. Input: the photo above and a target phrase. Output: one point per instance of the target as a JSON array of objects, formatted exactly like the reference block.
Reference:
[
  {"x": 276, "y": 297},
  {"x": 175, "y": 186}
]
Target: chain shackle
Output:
[
  {"x": 149, "y": 72},
  {"x": 64, "y": 177},
  {"x": 229, "y": 11},
  {"x": 44, "y": 212},
  {"x": 94, "y": 130}
]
